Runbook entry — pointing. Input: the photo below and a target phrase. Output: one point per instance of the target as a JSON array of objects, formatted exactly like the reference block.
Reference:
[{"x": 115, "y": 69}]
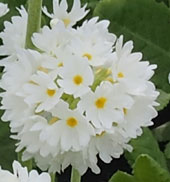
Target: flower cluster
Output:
[
  {"x": 21, "y": 175},
  {"x": 83, "y": 95}
]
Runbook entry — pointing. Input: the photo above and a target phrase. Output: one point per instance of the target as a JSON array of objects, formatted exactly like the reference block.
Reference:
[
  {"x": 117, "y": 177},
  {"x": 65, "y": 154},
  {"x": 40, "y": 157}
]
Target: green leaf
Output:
[
  {"x": 145, "y": 170},
  {"x": 122, "y": 177},
  {"x": 146, "y": 144},
  {"x": 148, "y": 170},
  {"x": 7, "y": 147},
  {"x": 163, "y": 100},
  {"x": 146, "y": 22},
  {"x": 164, "y": 1},
  {"x": 162, "y": 133},
  {"x": 167, "y": 151}
]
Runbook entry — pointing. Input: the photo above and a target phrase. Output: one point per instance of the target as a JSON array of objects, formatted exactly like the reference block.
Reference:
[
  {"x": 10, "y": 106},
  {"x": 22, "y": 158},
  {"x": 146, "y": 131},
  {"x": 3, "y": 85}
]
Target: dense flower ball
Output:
[
  {"x": 21, "y": 174},
  {"x": 85, "y": 94}
]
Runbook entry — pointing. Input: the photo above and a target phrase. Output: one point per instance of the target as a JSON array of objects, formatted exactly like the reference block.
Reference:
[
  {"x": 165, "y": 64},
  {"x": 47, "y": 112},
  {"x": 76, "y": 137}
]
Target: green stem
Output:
[
  {"x": 75, "y": 176},
  {"x": 53, "y": 177},
  {"x": 27, "y": 164},
  {"x": 34, "y": 21}
]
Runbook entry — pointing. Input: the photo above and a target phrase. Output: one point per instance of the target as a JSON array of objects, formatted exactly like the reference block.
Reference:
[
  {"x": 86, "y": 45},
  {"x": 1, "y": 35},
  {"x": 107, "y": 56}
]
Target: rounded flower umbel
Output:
[{"x": 84, "y": 94}]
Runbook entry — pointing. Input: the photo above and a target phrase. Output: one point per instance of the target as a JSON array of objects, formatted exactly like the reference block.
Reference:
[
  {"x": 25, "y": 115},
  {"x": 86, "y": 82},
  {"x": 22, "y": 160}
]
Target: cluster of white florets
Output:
[
  {"x": 21, "y": 174},
  {"x": 83, "y": 94}
]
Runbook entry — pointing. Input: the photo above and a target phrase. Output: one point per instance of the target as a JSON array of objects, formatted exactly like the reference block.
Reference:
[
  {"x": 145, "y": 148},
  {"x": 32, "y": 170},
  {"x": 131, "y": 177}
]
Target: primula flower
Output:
[
  {"x": 58, "y": 37},
  {"x": 68, "y": 18},
  {"x": 43, "y": 91},
  {"x": 76, "y": 76},
  {"x": 3, "y": 9},
  {"x": 128, "y": 70},
  {"x": 11, "y": 44},
  {"x": 103, "y": 107},
  {"x": 21, "y": 174}
]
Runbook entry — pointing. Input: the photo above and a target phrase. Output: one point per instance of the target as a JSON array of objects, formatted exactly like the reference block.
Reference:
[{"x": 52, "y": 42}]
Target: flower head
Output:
[{"x": 60, "y": 13}]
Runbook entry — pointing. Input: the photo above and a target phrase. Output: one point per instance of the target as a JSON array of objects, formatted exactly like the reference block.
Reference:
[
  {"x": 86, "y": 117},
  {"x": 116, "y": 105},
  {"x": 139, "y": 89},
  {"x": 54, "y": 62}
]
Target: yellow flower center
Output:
[
  {"x": 53, "y": 120},
  {"x": 72, "y": 122},
  {"x": 45, "y": 70},
  {"x": 60, "y": 64},
  {"x": 51, "y": 92},
  {"x": 120, "y": 75},
  {"x": 125, "y": 111},
  {"x": 78, "y": 79},
  {"x": 100, "y": 103},
  {"x": 88, "y": 56},
  {"x": 66, "y": 21}
]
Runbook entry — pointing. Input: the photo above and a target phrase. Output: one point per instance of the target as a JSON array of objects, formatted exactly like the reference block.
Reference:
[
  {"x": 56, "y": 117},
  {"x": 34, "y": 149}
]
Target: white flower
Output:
[
  {"x": 60, "y": 13},
  {"x": 13, "y": 105},
  {"x": 3, "y": 9},
  {"x": 128, "y": 70},
  {"x": 76, "y": 76},
  {"x": 103, "y": 107},
  {"x": 96, "y": 31},
  {"x": 49, "y": 133},
  {"x": 43, "y": 91},
  {"x": 19, "y": 72},
  {"x": 21, "y": 175},
  {"x": 72, "y": 126},
  {"x": 108, "y": 144},
  {"x": 169, "y": 77},
  {"x": 140, "y": 114},
  {"x": 93, "y": 42},
  {"x": 13, "y": 36},
  {"x": 58, "y": 37}
]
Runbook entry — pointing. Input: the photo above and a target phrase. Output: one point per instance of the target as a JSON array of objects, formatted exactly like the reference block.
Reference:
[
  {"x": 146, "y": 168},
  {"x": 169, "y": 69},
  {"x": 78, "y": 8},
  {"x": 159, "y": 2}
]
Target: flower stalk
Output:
[
  {"x": 75, "y": 176},
  {"x": 53, "y": 177},
  {"x": 34, "y": 21}
]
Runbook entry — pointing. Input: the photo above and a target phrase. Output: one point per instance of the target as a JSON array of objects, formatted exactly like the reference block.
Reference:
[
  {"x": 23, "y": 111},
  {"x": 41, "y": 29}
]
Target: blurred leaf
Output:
[
  {"x": 163, "y": 100},
  {"x": 145, "y": 170},
  {"x": 122, "y": 177},
  {"x": 7, "y": 147},
  {"x": 146, "y": 144},
  {"x": 164, "y": 1},
  {"x": 148, "y": 170},
  {"x": 167, "y": 151},
  {"x": 162, "y": 133},
  {"x": 147, "y": 23}
]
